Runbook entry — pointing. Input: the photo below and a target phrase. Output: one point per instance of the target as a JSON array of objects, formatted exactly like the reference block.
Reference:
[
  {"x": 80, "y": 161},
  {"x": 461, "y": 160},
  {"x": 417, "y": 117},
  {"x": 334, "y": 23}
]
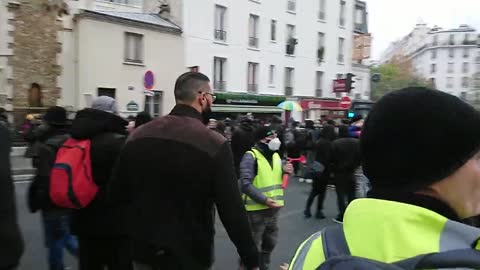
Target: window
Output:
[
  {"x": 194, "y": 69},
  {"x": 433, "y": 82},
  {"x": 449, "y": 82},
  {"x": 289, "y": 73},
  {"x": 220, "y": 29},
  {"x": 451, "y": 39},
  {"x": 433, "y": 68},
  {"x": 465, "y": 82},
  {"x": 253, "y": 31},
  {"x": 465, "y": 67},
  {"x": 450, "y": 68},
  {"x": 153, "y": 104},
  {"x": 323, "y": 10},
  {"x": 291, "y": 40},
  {"x": 466, "y": 52},
  {"x": 434, "y": 54},
  {"x": 342, "y": 13},
  {"x": 291, "y": 5},
  {"x": 321, "y": 46},
  {"x": 319, "y": 84},
  {"x": 435, "y": 40},
  {"x": 252, "y": 77},
  {"x": 273, "y": 30},
  {"x": 341, "y": 49},
  {"x": 133, "y": 48},
  {"x": 35, "y": 95},
  {"x": 271, "y": 75},
  {"x": 219, "y": 73},
  {"x": 451, "y": 52},
  {"x": 109, "y": 92}
]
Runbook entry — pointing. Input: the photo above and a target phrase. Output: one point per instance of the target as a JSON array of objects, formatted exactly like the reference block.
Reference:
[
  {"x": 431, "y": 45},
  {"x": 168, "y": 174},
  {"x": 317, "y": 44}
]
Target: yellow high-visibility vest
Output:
[
  {"x": 390, "y": 231},
  {"x": 268, "y": 181}
]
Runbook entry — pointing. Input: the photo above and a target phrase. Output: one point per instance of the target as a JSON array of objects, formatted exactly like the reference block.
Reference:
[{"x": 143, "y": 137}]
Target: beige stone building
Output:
[{"x": 55, "y": 52}]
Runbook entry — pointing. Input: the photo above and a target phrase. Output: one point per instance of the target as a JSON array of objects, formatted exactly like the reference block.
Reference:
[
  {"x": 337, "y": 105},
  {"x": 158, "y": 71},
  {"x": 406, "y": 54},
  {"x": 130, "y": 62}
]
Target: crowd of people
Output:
[{"x": 124, "y": 194}]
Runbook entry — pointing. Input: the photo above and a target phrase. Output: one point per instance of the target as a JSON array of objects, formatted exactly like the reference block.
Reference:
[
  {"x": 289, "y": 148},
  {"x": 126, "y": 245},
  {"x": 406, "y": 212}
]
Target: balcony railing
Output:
[
  {"x": 221, "y": 35},
  {"x": 252, "y": 88},
  {"x": 253, "y": 42},
  {"x": 220, "y": 85},
  {"x": 288, "y": 91}
]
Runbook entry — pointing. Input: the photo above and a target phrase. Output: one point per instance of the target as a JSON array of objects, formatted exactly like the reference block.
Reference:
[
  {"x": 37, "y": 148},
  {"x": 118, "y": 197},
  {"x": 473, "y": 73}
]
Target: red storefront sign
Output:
[
  {"x": 320, "y": 104},
  {"x": 340, "y": 85}
]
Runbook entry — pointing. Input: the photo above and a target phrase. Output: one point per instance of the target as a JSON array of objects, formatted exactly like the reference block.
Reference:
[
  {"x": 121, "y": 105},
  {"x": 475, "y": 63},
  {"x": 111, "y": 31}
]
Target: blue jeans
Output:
[{"x": 58, "y": 238}]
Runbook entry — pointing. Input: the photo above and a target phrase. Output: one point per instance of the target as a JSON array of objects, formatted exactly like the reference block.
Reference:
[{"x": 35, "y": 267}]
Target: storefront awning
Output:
[{"x": 245, "y": 109}]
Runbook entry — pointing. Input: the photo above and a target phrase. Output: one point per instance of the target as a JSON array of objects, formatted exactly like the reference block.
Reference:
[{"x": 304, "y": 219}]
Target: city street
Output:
[{"x": 294, "y": 228}]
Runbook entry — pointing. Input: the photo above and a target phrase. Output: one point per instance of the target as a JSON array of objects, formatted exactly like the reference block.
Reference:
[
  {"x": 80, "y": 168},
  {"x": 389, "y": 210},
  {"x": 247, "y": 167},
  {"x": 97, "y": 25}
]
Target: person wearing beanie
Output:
[
  {"x": 261, "y": 183},
  {"x": 102, "y": 242},
  {"x": 56, "y": 221},
  {"x": 420, "y": 150}
]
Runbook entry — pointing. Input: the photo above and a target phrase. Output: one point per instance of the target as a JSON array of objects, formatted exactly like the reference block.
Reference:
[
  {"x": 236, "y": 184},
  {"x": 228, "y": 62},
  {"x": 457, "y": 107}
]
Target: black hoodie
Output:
[
  {"x": 11, "y": 243},
  {"x": 107, "y": 134}
]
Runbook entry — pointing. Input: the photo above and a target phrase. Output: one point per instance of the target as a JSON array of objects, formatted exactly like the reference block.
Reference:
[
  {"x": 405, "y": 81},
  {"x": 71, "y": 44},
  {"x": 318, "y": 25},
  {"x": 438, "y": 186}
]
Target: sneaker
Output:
[
  {"x": 337, "y": 220},
  {"x": 320, "y": 215},
  {"x": 309, "y": 181},
  {"x": 307, "y": 214},
  {"x": 301, "y": 180}
]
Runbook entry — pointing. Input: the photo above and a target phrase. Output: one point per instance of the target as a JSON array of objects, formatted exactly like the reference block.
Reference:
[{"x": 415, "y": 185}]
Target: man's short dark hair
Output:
[{"x": 188, "y": 85}]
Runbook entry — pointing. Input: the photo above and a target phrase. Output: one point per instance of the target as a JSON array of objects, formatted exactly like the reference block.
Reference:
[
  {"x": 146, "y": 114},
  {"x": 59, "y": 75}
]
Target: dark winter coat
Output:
[
  {"x": 323, "y": 154},
  {"x": 107, "y": 134},
  {"x": 243, "y": 139},
  {"x": 11, "y": 243},
  {"x": 346, "y": 155},
  {"x": 171, "y": 173}
]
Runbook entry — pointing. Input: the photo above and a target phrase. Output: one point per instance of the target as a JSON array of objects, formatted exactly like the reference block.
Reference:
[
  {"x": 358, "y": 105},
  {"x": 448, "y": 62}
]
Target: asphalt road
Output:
[{"x": 294, "y": 229}]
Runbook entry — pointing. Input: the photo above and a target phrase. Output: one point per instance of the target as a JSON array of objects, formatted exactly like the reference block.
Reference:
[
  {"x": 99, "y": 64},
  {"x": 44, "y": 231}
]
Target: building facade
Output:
[
  {"x": 274, "y": 47},
  {"x": 68, "y": 52},
  {"x": 445, "y": 57}
]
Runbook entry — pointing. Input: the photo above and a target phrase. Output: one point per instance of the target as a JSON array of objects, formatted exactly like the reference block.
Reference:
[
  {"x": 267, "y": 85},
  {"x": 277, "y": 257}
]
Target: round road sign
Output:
[
  {"x": 149, "y": 80},
  {"x": 345, "y": 103}
]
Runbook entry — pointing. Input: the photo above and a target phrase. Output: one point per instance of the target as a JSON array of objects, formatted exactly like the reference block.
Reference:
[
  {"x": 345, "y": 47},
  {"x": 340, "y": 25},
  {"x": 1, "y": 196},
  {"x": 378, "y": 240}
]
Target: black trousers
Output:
[
  {"x": 104, "y": 253},
  {"x": 319, "y": 189},
  {"x": 345, "y": 189}
]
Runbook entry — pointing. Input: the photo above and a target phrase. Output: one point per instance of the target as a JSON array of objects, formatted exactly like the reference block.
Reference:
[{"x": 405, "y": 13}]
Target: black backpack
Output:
[{"x": 337, "y": 257}]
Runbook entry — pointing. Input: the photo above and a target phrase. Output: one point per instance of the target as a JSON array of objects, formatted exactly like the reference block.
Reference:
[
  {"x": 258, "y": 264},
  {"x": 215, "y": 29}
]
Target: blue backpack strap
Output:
[
  {"x": 460, "y": 258},
  {"x": 334, "y": 242}
]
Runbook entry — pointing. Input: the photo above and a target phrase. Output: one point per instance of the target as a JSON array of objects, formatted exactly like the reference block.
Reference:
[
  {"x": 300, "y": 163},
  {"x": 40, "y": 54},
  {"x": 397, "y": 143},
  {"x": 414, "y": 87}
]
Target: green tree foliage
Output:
[{"x": 396, "y": 75}]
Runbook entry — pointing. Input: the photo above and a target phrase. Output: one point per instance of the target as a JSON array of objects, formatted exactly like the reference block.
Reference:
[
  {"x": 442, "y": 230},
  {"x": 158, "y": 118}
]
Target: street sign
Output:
[
  {"x": 132, "y": 106},
  {"x": 149, "y": 80},
  {"x": 340, "y": 85},
  {"x": 345, "y": 103}
]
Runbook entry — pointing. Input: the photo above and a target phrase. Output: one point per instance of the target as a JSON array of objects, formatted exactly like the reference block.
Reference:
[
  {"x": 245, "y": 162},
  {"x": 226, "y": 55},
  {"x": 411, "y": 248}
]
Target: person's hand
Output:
[
  {"x": 272, "y": 204},
  {"x": 288, "y": 168},
  {"x": 284, "y": 266}
]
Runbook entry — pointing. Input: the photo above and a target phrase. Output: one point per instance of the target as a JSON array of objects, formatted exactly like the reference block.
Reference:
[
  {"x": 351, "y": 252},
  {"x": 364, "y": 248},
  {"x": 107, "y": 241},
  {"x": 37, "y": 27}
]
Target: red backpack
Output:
[{"x": 71, "y": 182}]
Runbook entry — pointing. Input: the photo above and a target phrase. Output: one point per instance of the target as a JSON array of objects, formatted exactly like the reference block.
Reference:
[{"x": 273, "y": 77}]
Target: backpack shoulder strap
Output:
[
  {"x": 334, "y": 242},
  {"x": 460, "y": 258}
]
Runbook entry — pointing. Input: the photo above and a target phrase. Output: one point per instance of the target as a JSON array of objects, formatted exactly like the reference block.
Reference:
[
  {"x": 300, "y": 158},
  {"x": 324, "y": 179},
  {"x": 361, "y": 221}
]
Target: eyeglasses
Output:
[{"x": 213, "y": 96}]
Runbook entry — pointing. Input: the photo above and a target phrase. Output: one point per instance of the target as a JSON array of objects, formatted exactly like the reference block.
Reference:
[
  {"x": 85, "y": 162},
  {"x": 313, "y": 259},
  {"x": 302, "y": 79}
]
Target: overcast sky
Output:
[{"x": 390, "y": 20}]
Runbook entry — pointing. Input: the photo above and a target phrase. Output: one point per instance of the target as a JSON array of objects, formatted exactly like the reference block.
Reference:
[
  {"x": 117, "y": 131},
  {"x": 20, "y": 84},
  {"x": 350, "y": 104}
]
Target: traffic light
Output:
[
  {"x": 351, "y": 114},
  {"x": 350, "y": 82}
]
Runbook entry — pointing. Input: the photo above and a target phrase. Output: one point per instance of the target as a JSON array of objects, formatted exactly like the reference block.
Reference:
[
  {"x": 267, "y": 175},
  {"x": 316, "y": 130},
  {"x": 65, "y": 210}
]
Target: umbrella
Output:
[{"x": 290, "y": 106}]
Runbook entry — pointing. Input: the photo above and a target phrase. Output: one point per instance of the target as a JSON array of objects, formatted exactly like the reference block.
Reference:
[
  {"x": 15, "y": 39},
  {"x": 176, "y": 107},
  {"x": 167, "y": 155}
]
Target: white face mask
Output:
[{"x": 274, "y": 144}]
